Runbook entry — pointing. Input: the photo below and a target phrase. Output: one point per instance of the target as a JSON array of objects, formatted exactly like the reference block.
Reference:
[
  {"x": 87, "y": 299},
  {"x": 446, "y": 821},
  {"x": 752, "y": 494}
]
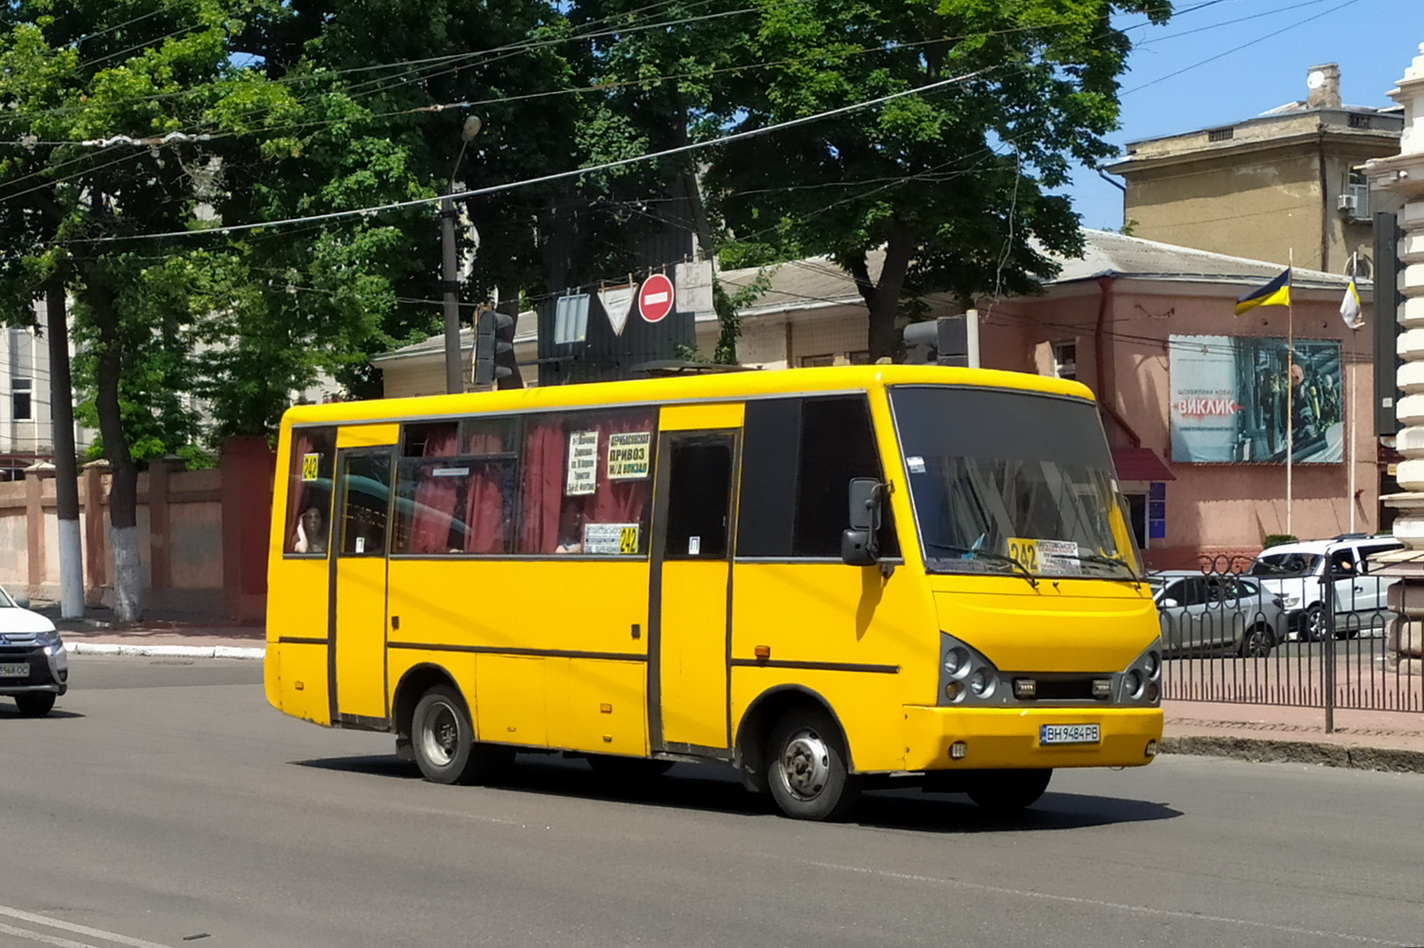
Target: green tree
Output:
[
  {"x": 659, "y": 71},
  {"x": 945, "y": 190},
  {"x": 146, "y": 118}
]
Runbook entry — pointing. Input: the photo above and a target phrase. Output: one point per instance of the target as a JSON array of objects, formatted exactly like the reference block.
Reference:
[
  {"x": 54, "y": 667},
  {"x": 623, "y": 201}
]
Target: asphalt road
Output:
[{"x": 164, "y": 804}]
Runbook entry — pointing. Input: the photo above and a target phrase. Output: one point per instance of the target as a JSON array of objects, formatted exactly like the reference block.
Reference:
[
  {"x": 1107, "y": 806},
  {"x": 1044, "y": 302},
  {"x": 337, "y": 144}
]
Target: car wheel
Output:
[
  {"x": 1258, "y": 641},
  {"x": 806, "y": 768},
  {"x": 35, "y": 705},
  {"x": 442, "y": 737},
  {"x": 1312, "y": 624},
  {"x": 1002, "y": 792}
]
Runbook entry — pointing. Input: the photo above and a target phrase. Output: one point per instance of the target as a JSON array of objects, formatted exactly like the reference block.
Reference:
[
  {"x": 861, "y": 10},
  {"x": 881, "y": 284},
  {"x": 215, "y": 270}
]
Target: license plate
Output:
[
  {"x": 1068, "y": 734},
  {"x": 18, "y": 670}
]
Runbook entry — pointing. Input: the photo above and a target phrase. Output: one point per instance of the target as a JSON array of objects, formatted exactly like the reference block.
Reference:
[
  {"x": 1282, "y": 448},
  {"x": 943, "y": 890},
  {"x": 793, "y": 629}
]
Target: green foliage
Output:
[
  {"x": 952, "y": 184},
  {"x": 1276, "y": 539}
]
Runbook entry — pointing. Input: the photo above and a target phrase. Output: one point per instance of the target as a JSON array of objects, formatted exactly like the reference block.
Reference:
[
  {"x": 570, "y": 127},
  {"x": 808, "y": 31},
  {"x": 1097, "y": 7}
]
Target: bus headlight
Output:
[
  {"x": 1138, "y": 683},
  {"x": 965, "y": 676}
]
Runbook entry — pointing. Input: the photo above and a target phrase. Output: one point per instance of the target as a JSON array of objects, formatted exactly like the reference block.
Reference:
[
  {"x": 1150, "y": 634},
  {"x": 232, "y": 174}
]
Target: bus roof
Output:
[{"x": 666, "y": 390}]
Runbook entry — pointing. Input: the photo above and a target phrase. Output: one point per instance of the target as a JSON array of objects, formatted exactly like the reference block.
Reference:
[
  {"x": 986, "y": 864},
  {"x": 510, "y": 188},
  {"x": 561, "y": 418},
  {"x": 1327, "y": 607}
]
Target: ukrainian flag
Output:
[{"x": 1275, "y": 293}]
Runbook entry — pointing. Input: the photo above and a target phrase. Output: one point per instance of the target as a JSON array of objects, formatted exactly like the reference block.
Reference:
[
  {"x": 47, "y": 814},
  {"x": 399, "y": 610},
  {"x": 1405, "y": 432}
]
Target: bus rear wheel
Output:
[
  {"x": 807, "y": 771},
  {"x": 1002, "y": 792},
  {"x": 442, "y": 737}
]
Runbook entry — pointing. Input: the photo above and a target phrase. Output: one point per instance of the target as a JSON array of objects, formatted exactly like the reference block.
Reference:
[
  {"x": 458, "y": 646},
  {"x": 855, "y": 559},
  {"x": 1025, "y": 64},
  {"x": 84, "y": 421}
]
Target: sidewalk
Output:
[
  {"x": 1370, "y": 740},
  {"x": 174, "y": 635}
]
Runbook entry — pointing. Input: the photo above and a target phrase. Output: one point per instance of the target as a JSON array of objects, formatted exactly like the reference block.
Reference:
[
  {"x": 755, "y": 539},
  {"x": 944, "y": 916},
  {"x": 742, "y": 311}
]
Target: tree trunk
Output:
[
  {"x": 66, "y": 464},
  {"x": 123, "y": 489},
  {"x": 882, "y": 299}
]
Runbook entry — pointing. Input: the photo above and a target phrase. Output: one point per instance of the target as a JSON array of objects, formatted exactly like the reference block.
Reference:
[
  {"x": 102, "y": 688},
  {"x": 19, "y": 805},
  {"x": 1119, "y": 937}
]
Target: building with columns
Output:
[{"x": 1403, "y": 176}]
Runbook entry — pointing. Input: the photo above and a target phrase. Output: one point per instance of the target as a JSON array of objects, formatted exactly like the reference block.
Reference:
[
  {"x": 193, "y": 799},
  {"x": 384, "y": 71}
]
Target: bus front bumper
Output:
[{"x": 978, "y": 738}]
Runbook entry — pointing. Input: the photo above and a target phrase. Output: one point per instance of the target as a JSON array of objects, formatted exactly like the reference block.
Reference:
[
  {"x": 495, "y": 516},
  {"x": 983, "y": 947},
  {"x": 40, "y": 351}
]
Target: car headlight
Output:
[
  {"x": 1291, "y": 602},
  {"x": 48, "y": 641}
]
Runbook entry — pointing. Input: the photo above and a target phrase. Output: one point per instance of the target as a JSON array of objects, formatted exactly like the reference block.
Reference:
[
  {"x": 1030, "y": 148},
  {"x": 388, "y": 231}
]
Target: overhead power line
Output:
[{"x": 545, "y": 179}]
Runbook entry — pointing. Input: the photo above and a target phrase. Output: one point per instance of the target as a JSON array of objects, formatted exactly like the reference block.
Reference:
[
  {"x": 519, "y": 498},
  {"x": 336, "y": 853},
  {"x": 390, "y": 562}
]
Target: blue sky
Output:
[{"x": 1373, "y": 41}]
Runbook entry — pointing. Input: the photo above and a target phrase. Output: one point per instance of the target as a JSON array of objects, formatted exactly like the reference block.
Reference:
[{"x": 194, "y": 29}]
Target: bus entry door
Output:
[
  {"x": 690, "y": 589},
  {"x": 358, "y": 588}
]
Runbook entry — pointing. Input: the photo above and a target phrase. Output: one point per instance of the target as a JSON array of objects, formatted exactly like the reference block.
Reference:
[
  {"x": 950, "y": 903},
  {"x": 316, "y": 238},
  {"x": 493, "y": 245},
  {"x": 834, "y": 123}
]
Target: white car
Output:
[
  {"x": 1296, "y": 572},
  {"x": 34, "y": 667}
]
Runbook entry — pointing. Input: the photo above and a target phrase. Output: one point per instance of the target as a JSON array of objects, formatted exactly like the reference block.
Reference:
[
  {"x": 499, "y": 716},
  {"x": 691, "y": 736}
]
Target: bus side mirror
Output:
[{"x": 858, "y": 544}]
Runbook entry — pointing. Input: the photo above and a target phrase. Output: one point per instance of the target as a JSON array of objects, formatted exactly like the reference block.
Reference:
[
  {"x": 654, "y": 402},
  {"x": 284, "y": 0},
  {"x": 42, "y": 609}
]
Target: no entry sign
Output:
[{"x": 655, "y": 298}]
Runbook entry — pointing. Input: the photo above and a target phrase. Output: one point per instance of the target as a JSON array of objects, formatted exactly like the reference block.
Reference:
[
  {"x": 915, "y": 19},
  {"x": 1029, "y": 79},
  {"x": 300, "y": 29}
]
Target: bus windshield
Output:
[{"x": 1012, "y": 482}]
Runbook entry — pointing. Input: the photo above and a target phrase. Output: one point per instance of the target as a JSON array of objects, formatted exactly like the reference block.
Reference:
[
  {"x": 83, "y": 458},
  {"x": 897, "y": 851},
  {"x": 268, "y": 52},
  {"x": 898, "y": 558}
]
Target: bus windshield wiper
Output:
[
  {"x": 1096, "y": 558},
  {"x": 969, "y": 552}
]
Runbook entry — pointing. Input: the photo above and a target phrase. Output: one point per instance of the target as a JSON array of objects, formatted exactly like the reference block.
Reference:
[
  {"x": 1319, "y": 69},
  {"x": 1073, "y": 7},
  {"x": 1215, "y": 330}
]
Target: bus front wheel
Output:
[
  {"x": 442, "y": 737},
  {"x": 1007, "y": 791},
  {"x": 807, "y": 768}
]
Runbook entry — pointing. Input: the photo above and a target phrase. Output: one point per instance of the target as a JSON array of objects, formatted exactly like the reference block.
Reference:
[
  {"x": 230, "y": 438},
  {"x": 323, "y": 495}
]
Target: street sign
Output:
[{"x": 655, "y": 298}]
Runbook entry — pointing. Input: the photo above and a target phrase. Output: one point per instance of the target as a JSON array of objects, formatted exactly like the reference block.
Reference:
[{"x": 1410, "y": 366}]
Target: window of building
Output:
[
  {"x": 1221, "y": 134},
  {"x": 1065, "y": 360},
  {"x": 21, "y": 408},
  {"x": 812, "y": 361},
  {"x": 858, "y": 357},
  {"x": 1355, "y": 200},
  {"x": 1359, "y": 120}
]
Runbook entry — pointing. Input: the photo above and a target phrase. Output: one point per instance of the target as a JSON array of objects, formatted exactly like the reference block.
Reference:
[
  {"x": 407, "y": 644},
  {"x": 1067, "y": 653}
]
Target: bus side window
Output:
[
  {"x": 799, "y": 457},
  {"x": 366, "y": 483},
  {"x": 597, "y": 504},
  {"x": 309, "y": 491}
]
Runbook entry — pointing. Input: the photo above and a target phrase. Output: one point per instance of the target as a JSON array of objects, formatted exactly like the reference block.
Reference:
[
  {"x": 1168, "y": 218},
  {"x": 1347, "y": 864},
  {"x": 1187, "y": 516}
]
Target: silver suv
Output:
[
  {"x": 1296, "y": 572},
  {"x": 34, "y": 668}
]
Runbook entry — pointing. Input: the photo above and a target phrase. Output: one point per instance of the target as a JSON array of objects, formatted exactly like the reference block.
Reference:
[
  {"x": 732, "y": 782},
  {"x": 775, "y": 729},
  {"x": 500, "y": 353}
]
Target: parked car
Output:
[
  {"x": 1213, "y": 614},
  {"x": 1296, "y": 572},
  {"x": 34, "y": 667}
]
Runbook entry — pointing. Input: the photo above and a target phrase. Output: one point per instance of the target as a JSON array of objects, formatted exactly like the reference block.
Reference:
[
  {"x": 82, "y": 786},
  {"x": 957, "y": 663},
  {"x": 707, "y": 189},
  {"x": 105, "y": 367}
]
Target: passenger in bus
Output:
[
  {"x": 311, "y": 532},
  {"x": 570, "y": 528}
]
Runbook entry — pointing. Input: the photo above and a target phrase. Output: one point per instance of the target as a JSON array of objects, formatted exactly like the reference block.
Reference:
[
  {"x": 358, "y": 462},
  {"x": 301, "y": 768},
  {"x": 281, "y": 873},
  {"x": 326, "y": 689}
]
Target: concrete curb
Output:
[
  {"x": 165, "y": 651},
  {"x": 1264, "y": 750}
]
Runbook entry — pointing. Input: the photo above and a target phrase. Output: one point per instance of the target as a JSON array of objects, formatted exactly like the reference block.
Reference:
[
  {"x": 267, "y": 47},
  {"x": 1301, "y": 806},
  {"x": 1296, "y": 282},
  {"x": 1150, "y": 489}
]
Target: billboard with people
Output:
[{"x": 1232, "y": 396}]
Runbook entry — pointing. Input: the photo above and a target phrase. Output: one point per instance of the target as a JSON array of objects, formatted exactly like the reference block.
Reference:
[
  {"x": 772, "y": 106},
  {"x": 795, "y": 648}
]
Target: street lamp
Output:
[{"x": 454, "y": 378}]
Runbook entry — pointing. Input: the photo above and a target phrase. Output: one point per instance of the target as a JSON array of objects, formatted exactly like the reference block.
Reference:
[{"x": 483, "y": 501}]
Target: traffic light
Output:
[
  {"x": 944, "y": 340},
  {"x": 494, "y": 351}
]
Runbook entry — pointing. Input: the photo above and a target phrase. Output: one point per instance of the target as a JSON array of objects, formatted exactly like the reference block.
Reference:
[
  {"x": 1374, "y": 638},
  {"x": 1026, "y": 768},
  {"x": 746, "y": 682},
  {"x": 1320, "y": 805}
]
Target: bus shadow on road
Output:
[
  {"x": 719, "y": 790},
  {"x": 955, "y": 813}
]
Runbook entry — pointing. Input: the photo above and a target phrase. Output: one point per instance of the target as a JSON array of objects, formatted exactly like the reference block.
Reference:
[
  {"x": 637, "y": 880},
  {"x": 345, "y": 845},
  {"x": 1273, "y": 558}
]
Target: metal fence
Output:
[{"x": 1326, "y": 641}]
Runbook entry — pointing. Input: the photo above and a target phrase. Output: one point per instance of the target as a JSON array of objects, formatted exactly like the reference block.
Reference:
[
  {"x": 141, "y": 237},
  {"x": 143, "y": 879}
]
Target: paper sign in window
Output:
[
  {"x": 610, "y": 538},
  {"x": 628, "y": 455},
  {"x": 583, "y": 464}
]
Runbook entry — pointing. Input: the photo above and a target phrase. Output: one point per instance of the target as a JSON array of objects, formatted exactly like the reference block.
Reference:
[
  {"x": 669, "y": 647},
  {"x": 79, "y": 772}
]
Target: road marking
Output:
[
  {"x": 43, "y": 939},
  {"x": 1119, "y": 906},
  {"x": 70, "y": 927}
]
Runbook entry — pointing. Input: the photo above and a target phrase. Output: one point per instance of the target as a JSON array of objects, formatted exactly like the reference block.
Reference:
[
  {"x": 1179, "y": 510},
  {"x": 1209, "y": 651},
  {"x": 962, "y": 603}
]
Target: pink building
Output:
[{"x": 1194, "y": 397}]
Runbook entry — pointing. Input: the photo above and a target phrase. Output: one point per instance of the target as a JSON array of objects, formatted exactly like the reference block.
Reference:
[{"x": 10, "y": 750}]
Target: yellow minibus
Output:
[{"x": 827, "y": 578}]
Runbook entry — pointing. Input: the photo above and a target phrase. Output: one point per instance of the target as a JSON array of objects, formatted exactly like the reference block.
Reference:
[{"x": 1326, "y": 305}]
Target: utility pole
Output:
[
  {"x": 449, "y": 267},
  {"x": 451, "y": 283}
]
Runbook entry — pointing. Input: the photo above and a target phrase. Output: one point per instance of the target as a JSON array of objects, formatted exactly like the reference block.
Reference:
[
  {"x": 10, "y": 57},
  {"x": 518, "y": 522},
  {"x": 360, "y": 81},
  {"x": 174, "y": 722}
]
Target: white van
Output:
[{"x": 1294, "y": 571}]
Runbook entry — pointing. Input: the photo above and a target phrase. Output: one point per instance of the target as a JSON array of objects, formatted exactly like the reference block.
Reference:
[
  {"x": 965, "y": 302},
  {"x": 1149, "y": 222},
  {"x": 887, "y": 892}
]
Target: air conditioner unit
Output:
[{"x": 1348, "y": 203}]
